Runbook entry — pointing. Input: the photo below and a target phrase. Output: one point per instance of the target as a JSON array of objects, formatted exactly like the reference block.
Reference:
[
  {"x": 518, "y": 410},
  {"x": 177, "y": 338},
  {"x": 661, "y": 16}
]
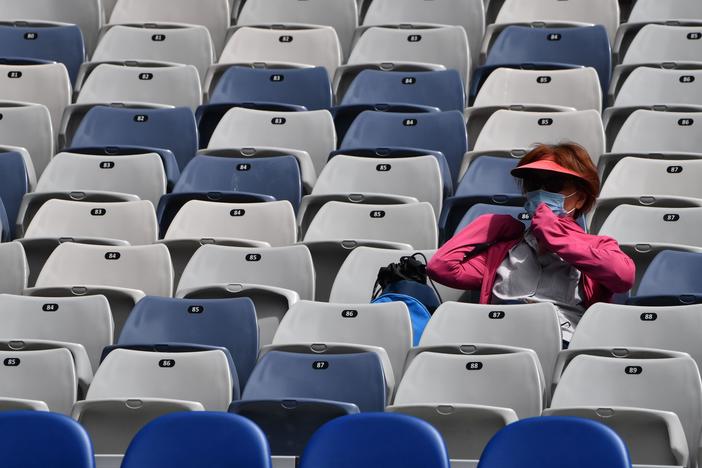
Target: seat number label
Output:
[
  {"x": 694, "y": 36},
  {"x": 671, "y": 218},
  {"x": 409, "y": 80},
  {"x": 196, "y": 309},
  {"x": 107, "y": 165},
  {"x": 543, "y": 79},
  {"x": 377, "y": 214},
  {"x": 278, "y": 120},
  {"x": 243, "y": 167},
  {"x": 496, "y": 314},
  {"x": 158, "y": 37},
  {"x": 633, "y": 370},
  {"x": 141, "y": 118},
  {"x": 277, "y": 78},
  {"x": 320, "y": 365},
  {"x": 475, "y": 365},
  {"x": 50, "y": 307},
  {"x": 31, "y": 36},
  {"x": 687, "y": 79},
  {"x": 686, "y": 122},
  {"x": 11, "y": 362},
  {"x": 285, "y": 39},
  {"x": 253, "y": 257},
  {"x": 112, "y": 256},
  {"x": 349, "y": 313},
  {"x": 414, "y": 38},
  {"x": 237, "y": 213},
  {"x": 545, "y": 122},
  {"x": 649, "y": 317},
  {"x": 554, "y": 37},
  {"x": 168, "y": 363},
  {"x": 674, "y": 169},
  {"x": 146, "y": 76},
  {"x": 383, "y": 167},
  {"x": 14, "y": 74},
  {"x": 98, "y": 212}
]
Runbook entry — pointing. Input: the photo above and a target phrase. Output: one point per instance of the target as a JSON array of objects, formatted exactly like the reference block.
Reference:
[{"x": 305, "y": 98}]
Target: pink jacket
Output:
[{"x": 605, "y": 268}]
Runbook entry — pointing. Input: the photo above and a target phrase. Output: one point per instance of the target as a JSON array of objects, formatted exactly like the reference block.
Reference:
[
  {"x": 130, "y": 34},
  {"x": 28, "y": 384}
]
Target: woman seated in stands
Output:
[{"x": 554, "y": 260}]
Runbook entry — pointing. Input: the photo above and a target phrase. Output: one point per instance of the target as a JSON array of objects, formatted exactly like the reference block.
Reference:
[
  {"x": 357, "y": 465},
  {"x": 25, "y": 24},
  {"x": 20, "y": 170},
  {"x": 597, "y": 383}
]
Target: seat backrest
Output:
[
  {"x": 316, "y": 46},
  {"x": 376, "y": 441},
  {"x": 508, "y": 86},
  {"x": 272, "y": 222},
  {"x": 504, "y": 380},
  {"x": 173, "y": 129},
  {"x": 229, "y": 323},
  {"x": 384, "y": 325},
  {"x": 342, "y": 15},
  {"x": 353, "y": 378},
  {"x": 133, "y": 221},
  {"x": 146, "y": 267},
  {"x": 663, "y": 43},
  {"x": 479, "y": 209},
  {"x": 671, "y": 273},
  {"x": 489, "y": 175},
  {"x": 636, "y": 383},
  {"x": 443, "y": 89},
  {"x": 437, "y": 131},
  {"x": 308, "y": 87},
  {"x": 507, "y": 129},
  {"x": 241, "y": 128},
  {"x": 64, "y": 443},
  {"x": 189, "y": 44},
  {"x": 14, "y": 183},
  {"x": 604, "y": 12},
  {"x": 555, "y": 442},
  {"x": 213, "y": 14},
  {"x": 647, "y": 131},
  {"x": 413, "y": 224},
  {"x": 630, "y": 224},
  {"x": 139, "y": 174},
  {"x": 47, "y": 375},
  {"x": 191, "y": 438},
  {"x": 651, "y": 10},
  {"x": 654, "y": 177},
  {"x": 531, "y": 326},
  {"x": 15, "y": 268},
  {"x": 441, "y": 45},
  {"x": 277, "y": 176},
  {"x": 40, "y": 83},
  {"x": 85, "y": 320},
  {"x": 587, "y": 46},
  {"x": 418, "y": 177},
  {"x": 28, "y": 126},
  {"x": 647, "y": 86},
  {"x": 283, "y": 267},
  {"x": 174, "y": 85}
]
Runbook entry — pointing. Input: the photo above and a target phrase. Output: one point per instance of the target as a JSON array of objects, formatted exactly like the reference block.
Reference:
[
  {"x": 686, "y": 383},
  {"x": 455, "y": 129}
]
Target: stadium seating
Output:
[
  {"x": 630, "y": 224},
  {"x": 14, "y": 184},
  {"x": 669, "y": 280},
  {"x": 28, "y": 126},
  {"x": 15, "y": 268},
  {"x": 479, "y": 209}
]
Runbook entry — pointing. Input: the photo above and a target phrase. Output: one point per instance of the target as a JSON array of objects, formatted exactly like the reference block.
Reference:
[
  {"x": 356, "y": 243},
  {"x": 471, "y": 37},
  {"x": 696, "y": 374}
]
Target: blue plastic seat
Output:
[
  {"x": 198, "y": 439},
  {"x": 487, "y": 180},
  {"x": 587, "y": 46},
  {"x": 351, "y": 378},
  {"x": 437, "y": 131},
  {"x": 307, "y": 87},
  {"x": 228, "y": 323},
  {"x": 442, "y": 89},
  {"x": 289, "y": 424},
  {"x": 555, "y": 442},
  {"x": 671, "y": 279},
  {"x": 13, "y": 185},
  {"x": 35, "y": 439},
  {"x": 45, "y": 41},
  {"x": 378, "y": 440},
  {"x": 479, "y": 209},
  {"x": 345, "y": 115},
  {"x": 171, "y": 129},
  {"x": 5, "y": 227}
]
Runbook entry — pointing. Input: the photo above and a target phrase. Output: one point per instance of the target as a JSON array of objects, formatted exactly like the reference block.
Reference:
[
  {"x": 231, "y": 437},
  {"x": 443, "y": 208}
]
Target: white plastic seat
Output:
[
  {"x": 413, "y": 224},
  {"x": 658, "y": 43},
  {"x": 385, "y": 325},
  {"x": 656, "y": 10},
  {"x": 647, "y": 86},
  {"x": 175, "y": 85},
  {"x": 213, "y": 14},
  {"x": 440, "y": 45},
  {"x": 46, "y": 84},
  {"x": 272, "y": 222},
  {"x": 313, "y": 45},
  {"x": 470, "y": 14},
  {"x": 396, "y": 176},
  {"x": 632, "y": 177},
  {"x": 187, "y": 44},
  {"x": 242, "y": 127},
  {"x": 342, "y": 15},
  {"x": 139, "y": 174},
  {"x": 134, "y": 222},
  {"x": 202, "y": 376},
  {"x": 28, "y": 126},
  {"x": 354, "y": 282},
  {"x": 531, "y": 326},
  {"x": 15, "y": 268},
  {"x": 84, "y": 320}
]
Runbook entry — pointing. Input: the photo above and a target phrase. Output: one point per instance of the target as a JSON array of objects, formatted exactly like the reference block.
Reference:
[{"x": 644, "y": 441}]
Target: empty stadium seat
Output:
[
  {"x": 651, "y": 10},
  {"x": 84, "y": 320},
  {"x": 213, "y": 14},
  {"x": 28, "y": 126},
  {"x": 352, "y": 378},
  {"x": 375, "y": 441},
  {"x": 345, "y": 76},
  {"x": 442, "y": 45},
  {"x": 342, "y": 15},
  {"x": 310, "y": 45},
  {"x": 228, "y": 323},
  {"x": 193, "y": 438},
  {"x": 441, "y": 89},
  {"x": 648, "y": 225},
  {"x": 64, "y": 443},
  {"x": 14, "y": 184},
  {"x": 169, "y": 84},
  {"x": 438, "y": 131},
  {"x": 659, "y": 43},
  {"x": 308, "y": 87},
  {"x": 650, "y": 86},
  {"x": 555, "y": 442},
  {"x": 670, "y": 279},
  {"x": 15, "y": 268},
  {"x": 187, "y": 44}
]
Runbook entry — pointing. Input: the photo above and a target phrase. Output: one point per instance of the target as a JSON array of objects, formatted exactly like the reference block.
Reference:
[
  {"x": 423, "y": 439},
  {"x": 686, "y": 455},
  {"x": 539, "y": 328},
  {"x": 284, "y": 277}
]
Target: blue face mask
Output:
[{"x": 555, "y": 201}]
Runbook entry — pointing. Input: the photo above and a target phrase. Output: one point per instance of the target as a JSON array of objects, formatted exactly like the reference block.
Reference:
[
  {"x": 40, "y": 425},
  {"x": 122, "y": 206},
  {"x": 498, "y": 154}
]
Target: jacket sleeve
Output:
[
  {"x": 449, "y": 265},
  {"x": 599, "y": 257}
]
